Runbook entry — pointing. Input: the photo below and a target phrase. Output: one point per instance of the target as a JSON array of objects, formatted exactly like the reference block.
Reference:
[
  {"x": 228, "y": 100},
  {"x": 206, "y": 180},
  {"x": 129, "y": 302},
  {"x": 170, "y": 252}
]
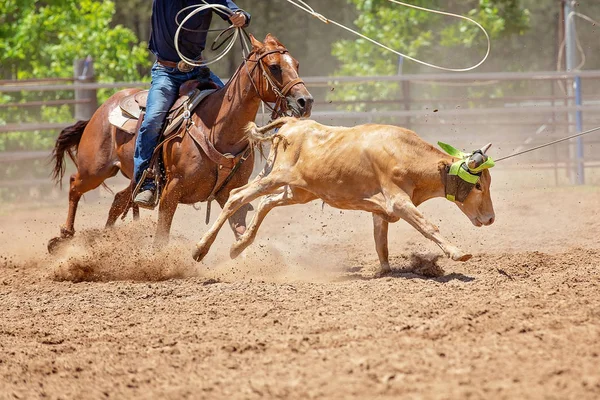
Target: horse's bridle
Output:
[{"x": 281, "y": 91}]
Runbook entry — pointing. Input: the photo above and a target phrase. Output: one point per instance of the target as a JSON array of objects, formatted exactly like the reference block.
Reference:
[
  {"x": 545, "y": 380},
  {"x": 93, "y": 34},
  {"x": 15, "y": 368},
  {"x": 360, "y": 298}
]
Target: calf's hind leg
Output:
[
  {"x": 380, "y": 231},
  {"x": 405, "y": 209},
  {"x": 283, "y": 197}
]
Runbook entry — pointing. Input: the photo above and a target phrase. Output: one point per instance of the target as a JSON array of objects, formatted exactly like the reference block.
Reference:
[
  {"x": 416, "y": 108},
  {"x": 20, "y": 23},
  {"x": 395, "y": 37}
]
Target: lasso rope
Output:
[
  {"x": 233, "y": 37},
  {"x": 307, "y": 8},
  {"x": 548, "y": 144}
]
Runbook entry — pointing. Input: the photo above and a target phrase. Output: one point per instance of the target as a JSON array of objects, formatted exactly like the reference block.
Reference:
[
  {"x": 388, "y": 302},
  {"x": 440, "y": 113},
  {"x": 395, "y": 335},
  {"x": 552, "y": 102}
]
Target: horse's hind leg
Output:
[
  {"x": 79, "y": 184},
  {"x": 75, "y": 193},
  {"x": 119, "y": 206}
]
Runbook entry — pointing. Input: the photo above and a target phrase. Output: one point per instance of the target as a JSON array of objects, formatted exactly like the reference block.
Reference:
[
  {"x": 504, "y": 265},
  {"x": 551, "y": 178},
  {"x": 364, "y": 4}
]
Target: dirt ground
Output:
[{"x": 301, "y": 315}]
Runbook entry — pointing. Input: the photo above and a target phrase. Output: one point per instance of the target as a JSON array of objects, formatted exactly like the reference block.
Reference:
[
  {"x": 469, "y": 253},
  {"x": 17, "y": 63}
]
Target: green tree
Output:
[
  {"x": 438, "y": 39},
  {"x": 40, "y": 39}
]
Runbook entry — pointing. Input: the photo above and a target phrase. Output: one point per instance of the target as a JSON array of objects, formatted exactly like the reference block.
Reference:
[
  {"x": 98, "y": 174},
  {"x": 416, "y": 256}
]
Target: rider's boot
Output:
[{"x": 146, "y": 197}]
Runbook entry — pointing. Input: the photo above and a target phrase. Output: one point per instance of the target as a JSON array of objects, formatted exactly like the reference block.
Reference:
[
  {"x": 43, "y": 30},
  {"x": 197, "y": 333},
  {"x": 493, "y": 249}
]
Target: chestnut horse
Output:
[{"x": 268, "y": 74}]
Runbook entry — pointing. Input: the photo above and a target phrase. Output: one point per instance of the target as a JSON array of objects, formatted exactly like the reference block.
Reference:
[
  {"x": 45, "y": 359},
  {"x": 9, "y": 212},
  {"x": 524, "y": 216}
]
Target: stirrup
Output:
[{"x": 157, "y": 187}]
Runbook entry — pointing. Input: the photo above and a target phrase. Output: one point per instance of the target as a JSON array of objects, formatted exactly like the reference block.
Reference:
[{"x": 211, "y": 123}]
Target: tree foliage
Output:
[
  {"x": 438, "y": 39},
  {"x": 42, "y": 39}
]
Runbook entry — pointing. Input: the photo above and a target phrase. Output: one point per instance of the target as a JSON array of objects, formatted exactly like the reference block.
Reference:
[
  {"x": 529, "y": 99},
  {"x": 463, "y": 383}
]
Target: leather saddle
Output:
[{"x": 133, "y": 105}]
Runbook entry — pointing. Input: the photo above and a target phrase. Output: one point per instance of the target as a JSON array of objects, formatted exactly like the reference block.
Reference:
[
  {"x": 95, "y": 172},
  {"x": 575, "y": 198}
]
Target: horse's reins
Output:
[
  {"x": 229, "y": 36},
  {"x": 281, "y": 91}
]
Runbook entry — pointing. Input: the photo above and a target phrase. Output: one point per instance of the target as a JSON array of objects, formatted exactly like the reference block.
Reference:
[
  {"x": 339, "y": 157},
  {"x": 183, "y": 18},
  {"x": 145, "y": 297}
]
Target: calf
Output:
[{"x": 385, "y": 170}]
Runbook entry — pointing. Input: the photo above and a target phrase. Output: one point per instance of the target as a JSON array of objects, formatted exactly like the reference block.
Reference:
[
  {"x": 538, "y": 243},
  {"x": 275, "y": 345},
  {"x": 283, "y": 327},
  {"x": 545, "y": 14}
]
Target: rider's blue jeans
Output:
[{"x": 164, "y": 90}]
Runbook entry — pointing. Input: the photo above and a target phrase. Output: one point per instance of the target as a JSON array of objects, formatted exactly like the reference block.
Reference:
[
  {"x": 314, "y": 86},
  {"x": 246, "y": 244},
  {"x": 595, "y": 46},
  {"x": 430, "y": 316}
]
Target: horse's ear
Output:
[
  {"x": 256, "y": 44},
  {"x": 271, "y": 38}
]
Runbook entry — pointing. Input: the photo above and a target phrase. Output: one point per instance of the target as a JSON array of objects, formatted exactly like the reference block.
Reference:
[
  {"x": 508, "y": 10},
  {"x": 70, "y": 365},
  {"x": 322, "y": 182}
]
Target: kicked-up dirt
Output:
[{"x": 301, "y": 315}]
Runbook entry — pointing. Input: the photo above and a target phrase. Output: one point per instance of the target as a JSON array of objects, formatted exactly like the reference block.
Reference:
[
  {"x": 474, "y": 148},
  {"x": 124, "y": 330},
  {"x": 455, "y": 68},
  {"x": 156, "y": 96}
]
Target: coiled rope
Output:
[{"x": 233, "y": 37}]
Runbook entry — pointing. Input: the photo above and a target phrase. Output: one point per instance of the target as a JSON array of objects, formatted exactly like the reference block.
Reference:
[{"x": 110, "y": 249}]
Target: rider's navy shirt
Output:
[{"x": 164, "y": 26}]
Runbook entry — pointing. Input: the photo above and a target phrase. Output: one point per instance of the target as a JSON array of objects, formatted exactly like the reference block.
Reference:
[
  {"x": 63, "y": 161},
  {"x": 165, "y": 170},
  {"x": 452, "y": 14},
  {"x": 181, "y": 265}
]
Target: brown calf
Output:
[{"x": 382, "y": 169}]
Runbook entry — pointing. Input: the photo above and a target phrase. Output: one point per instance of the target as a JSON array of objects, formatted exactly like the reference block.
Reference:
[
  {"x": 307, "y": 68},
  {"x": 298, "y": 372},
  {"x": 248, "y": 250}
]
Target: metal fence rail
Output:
[{"x": 519, "y": 115}]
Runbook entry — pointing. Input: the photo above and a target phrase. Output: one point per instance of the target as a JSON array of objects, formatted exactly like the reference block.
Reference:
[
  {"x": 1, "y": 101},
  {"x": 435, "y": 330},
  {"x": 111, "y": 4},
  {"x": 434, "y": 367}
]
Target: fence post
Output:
[
  {"x": 84, "y": 73},
  {"x": 83, "y": 70},
  {"x": 579, "y": 122}
]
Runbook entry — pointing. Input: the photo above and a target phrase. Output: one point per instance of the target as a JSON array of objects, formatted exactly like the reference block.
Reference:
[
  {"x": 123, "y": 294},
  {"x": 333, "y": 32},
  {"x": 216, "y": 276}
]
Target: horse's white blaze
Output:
[{"x": 288, "y": 59}]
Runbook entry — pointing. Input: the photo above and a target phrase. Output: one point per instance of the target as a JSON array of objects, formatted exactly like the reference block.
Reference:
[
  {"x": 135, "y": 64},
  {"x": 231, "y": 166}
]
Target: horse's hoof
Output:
[
  {"x": 54, "y": 244},
  {"x": 199, "y": 254}
]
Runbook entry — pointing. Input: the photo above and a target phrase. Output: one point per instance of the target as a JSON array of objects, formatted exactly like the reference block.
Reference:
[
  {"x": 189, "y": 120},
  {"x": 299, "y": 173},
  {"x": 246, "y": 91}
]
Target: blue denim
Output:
[{"x": 164, "y": 90}]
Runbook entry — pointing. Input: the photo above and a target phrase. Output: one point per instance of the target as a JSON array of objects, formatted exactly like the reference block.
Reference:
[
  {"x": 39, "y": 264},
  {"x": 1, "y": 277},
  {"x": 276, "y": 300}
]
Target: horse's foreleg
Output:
[
  {"x": 237, "y": 221},
  {"x": 119, "y": 205},
  {"x": 166, "y": 210}
]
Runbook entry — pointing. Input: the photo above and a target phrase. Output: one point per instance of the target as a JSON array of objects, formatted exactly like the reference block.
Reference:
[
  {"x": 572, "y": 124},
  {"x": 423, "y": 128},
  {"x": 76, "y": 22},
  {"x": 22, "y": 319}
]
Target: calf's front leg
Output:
[
  {"x": 237, "y": 198},
  {"x": 406, "y": 210}
]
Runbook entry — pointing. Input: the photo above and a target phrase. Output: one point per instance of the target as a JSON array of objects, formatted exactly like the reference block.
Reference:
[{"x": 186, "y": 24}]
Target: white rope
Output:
[
  {"x": 549, "y": 144},
  {"x": 219, "y": 8},
  {"x": 563, "y": 44},
  {"x": 307, "y": 8},
  {"x": 577, "y": 41}
]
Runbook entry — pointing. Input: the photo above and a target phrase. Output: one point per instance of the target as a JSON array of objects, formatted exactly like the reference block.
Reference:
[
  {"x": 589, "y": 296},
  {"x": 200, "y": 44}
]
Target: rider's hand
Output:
[{"x": 238, "y": 19}]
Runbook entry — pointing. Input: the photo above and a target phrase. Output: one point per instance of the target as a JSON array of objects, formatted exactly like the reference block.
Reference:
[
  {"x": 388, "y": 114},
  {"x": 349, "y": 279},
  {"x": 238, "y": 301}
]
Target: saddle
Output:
[
  {"x": 133, "y": 105},
  {"x": 126, "y": 116}
]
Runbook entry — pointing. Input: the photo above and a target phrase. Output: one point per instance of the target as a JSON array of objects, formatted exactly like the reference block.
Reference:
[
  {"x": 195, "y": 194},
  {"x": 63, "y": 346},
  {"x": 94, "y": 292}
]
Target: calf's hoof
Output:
[
  {"x": 199, "y": 253},
  {"x": 235, "y": 250},
  {"x": 460, "y": 256},
  {"x": 238, "y": 247},
  {"x": 382, "y": 271}
]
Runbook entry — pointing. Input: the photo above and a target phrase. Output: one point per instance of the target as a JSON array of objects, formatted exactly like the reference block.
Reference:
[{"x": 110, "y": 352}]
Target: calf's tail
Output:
[{"x": 257, "y": 135}]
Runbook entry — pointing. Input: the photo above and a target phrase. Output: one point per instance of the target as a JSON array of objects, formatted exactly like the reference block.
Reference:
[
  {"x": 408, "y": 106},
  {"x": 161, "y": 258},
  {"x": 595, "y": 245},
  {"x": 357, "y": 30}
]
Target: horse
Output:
[{"x": 100, "y": 150}]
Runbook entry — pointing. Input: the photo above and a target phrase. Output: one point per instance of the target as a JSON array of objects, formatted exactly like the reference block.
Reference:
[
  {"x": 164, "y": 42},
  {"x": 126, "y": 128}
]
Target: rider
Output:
[{"x": 168, "y": 73}]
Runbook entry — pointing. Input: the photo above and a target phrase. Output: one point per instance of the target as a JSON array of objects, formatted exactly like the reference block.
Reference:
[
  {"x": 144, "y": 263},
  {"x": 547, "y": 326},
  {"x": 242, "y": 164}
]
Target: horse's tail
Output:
[{"x": 67, "y": 141}]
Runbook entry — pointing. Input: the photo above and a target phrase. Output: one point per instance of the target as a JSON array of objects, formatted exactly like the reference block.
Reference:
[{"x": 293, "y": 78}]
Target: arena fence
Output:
[{"x": 513, "y": 110}]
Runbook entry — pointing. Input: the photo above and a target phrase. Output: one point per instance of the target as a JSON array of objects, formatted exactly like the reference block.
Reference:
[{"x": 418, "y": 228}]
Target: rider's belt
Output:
[{"x": 181, "y": 65}]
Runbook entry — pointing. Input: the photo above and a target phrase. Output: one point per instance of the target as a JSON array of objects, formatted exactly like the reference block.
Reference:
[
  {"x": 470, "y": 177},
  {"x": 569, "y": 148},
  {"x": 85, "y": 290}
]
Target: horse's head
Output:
[{"x": 276, "y": 77}]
